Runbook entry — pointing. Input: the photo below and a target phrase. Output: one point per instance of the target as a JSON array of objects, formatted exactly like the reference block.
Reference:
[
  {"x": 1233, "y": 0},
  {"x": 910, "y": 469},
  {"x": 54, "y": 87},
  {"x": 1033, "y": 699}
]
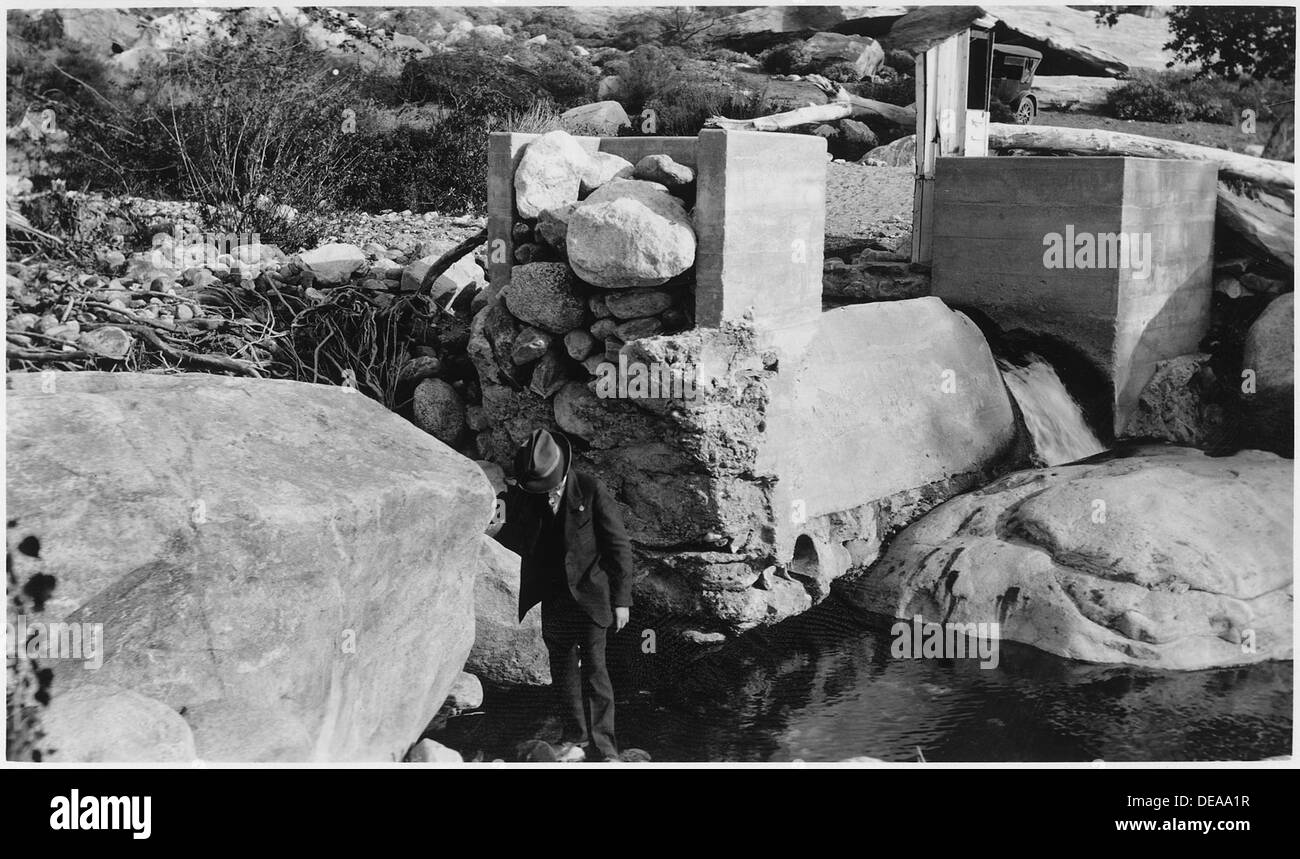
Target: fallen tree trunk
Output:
[
  {"x": 1269, "y": 229},
  {"x": 1271, "y": 175},
  {"x": 786, "y": 120}
]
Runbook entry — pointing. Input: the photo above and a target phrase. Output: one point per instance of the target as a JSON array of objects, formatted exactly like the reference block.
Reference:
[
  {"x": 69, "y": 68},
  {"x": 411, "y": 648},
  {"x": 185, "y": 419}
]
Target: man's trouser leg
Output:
[
  {"x": 585, "y": 695},
  {"x": 560, "y": 634},
  {"x": 598, "y": 690}
]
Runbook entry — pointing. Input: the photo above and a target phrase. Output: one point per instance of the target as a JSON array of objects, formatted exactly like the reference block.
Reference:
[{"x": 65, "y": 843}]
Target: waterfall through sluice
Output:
[{"x": 1053, "y": 417}]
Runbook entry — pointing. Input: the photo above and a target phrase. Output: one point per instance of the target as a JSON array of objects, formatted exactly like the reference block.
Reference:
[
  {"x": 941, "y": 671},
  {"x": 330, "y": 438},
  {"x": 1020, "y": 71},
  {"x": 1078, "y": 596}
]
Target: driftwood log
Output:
[
  {"x": 1269, "y": 175},
  {"x": 841, "y": 104}
]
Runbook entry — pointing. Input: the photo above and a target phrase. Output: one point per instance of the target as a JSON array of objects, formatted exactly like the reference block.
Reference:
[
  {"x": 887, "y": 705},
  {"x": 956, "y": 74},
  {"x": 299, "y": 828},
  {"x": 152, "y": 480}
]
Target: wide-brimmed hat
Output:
[{"x": 542, "y": 462}]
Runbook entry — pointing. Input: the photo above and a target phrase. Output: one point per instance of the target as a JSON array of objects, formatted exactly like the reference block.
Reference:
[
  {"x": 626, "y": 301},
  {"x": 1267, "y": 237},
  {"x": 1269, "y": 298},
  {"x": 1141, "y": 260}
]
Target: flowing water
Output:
[
  {"x": 824, "y": 687},
  {"x": 1053, "y": 418}
]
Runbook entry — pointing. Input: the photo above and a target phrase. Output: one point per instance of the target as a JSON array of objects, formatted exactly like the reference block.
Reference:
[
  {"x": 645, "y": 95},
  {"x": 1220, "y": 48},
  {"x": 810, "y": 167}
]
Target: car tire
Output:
[{"x": 1025, "y": 111}]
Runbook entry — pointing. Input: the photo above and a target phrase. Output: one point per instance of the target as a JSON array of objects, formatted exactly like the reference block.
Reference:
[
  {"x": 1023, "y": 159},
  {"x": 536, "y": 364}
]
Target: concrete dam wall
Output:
[
  {"x": 1111, "y": 256},
  {"x": 810, "y": 435}
]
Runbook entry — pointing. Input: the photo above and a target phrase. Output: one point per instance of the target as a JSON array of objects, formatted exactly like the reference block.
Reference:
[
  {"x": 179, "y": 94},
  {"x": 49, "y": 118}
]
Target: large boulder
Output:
[
  {"x": 542, "y": 294},
  {"x": 630, "y": 233},
  {"x": 1270, "y": 353},
  {"x": 289, "y": 567},
  {"x": 862, "y": 52},
  {"x": 600, "y": 119},
  {"x": 506, "y": 652},
  {"x": 333, "y": 264},
  {"x": 1166, "y": 558},
  {"x": 549, "y": 173}
]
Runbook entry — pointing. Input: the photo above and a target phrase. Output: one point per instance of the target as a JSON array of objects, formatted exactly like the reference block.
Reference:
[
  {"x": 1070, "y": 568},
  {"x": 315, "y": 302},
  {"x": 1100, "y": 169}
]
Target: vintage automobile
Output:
[{"x": 1013, "y": 77}]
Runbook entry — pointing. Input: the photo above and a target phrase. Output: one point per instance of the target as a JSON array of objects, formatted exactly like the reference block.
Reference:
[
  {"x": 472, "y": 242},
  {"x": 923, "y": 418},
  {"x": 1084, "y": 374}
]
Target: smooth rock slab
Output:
[
  {"x": 255, "y": 546},
  {"x": 1166, "y": 558}
]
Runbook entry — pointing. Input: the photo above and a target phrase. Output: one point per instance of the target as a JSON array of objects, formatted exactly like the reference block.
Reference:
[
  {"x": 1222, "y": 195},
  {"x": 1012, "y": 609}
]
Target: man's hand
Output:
[{"x": 620, "y": 617}]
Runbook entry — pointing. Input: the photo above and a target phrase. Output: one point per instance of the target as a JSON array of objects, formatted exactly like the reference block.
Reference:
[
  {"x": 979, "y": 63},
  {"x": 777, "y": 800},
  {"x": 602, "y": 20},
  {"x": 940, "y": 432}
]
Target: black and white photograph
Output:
[{"x": 617, "y": 388}]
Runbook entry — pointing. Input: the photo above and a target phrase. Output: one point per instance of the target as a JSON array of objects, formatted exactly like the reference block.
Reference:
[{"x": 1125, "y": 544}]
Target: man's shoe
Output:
[{"x": 570, "y": 753}]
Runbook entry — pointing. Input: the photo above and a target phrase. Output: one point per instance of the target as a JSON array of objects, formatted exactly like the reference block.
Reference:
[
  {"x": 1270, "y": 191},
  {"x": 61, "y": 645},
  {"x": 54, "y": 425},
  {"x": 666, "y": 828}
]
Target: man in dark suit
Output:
[{"x": 576, "y": 561}]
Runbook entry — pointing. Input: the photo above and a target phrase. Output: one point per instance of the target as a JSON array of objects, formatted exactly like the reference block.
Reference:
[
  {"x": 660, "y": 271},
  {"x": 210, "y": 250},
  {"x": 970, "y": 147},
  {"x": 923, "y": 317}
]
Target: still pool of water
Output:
[{"x": 824, "y": 687}]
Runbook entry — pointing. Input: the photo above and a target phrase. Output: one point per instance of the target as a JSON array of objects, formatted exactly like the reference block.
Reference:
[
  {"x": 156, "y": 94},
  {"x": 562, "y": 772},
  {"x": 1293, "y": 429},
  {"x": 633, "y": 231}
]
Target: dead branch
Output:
[{"x": 449, "y": 259}]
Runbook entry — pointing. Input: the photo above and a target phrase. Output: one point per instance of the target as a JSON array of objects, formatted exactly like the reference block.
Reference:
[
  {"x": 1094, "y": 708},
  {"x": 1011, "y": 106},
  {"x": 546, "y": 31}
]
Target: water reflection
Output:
[{"x": 824, "y": 687}]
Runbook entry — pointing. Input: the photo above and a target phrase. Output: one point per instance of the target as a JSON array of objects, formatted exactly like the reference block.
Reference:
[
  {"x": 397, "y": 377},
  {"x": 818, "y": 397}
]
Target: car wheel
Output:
[{"x": 1025, "y": 112}]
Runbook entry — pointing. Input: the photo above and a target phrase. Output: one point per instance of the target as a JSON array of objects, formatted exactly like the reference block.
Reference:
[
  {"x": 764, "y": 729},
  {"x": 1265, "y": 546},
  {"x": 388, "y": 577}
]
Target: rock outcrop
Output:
[
  {"x": 288, "y": 567},
  {"x": 1166, "y": 558},
  {"x": 1173, "y": 406}
]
